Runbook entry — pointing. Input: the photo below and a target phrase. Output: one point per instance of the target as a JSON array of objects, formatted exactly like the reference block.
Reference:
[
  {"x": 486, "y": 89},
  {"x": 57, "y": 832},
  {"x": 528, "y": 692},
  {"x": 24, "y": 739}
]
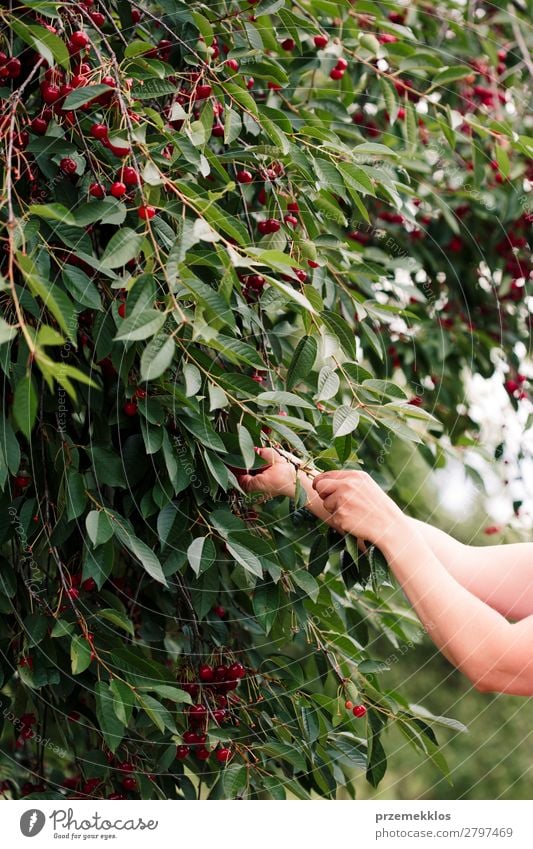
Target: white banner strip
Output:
[{"x": 256, "y": 825}]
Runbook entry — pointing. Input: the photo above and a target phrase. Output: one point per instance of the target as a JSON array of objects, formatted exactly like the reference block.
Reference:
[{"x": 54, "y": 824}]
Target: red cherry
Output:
[
  {"x": 219, "y": 611},
  {"x": 136, "y": 16},
  {"x": 190, "y": 688},
  {"x": 140, "y": 393},
  {"x": 96, "y": 190},
  {"x": 79, "y": 39},
  {"x": 39, "y": 126},
  {"x": 73, "y": 593},
  {"x": 288, "y": 44},
  {"x": 68, "y": 165},
  {"x": 126, "y": 766},
  {"x": 202, "y": 753},
  {"x": 218, "y": 130},
  {"x": 197, "y": 713},
  {"x": 320, "y": 40},
  {"x": 232, "y": 64},
  {"x": 291, "y": 220},
  {"x": 129, "y": 783},
  {"x": 182, "y": 752},
  {"x": 99, "y": 131},
  {"x": 13, "y": 67},
  {"x": 130, "y": 176},
  {"x": 236, "y": 671},
  {"x": 206, "y": 673},
  {"x": 97, "y": 18},
  {"x": 336, "y": 74},
  {"x": 118, "y": 190},
  {"x": 244, "y": 177},
  {"x": 89, "y": 585},
  {"x": 270, "y": 225},
  {"x": 219, "y": 715},
  {"x": 130, "y": 408},
  {"x": 50, "y": 92},
  {"x": 359, "y": 711},
  {"x": 256, "y": 281},
  {"x": 22, "y": 481},
  {"x": 78, "y": 81},
  {"x": 250, "y": 83},
  {"x": 203, "y": 91},
  {"x": 223, "y": 755},
  {"x": 312, "y": 264},
  {"x": 293, "y": 206},
  {"x": 222, "y": 673},
  {"x": 146, "y": 212}
]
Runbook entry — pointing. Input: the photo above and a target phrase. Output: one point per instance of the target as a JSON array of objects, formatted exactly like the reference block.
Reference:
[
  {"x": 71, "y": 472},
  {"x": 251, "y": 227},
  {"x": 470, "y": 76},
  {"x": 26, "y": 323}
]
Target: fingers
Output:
[
  {"x": 252, "y": 483},
  {"x": 330, "y": 503}
]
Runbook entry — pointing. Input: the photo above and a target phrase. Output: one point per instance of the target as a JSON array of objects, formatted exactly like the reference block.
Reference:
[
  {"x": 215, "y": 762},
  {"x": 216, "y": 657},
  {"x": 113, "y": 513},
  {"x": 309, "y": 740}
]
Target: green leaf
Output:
[
  {"x": 123, "y": 246},
  {"x": 140, "y": 325},
  {"x": 302, "y": 361},
  {"x": 234, "y": 780},
  {"x": 202, "y": 430},
  {"x": 502, "y": 158},
  {"x": 201, "y": 554},
  {"x": 328, "y": 384},
  {"x": 53, "y": 298},
  {"x": 25, "y": 405},
  {"x": 450, "y": 74},
  {"x": 80, "y": 96},
  {"x": 53, "y": 212},
  {"x": 140, "y": 551},
  {"x": 99, "y": 527},
  {"x": 246, "y": 445},
  {"x": 7, "y": 331},
  {"x": 124, "y": 700},
  {"x": 278, "y": 397},
  {"x": 80, "y": 654},
  {"x": 75, "y": 494},
  {"x": 157, "y": 357},
  {"x": 345, "y": 420},
  {"x": 174, "y": 694},
  {"x": 151, "y": 89},
  {"x": 247, "y": 559},
  {"x": 111, "y": 726},
  {"x": 157, "y": 712},
  {"x": 116, "y": 617},
  {"x": 50, "y": 46},
  {"x": 342, "y": 330}
]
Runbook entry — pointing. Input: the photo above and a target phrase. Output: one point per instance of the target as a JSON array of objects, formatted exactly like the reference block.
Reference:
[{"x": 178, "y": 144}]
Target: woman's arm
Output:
[
  {"x": 494, "y": 654},
  {"x": 501, "y": 576}
]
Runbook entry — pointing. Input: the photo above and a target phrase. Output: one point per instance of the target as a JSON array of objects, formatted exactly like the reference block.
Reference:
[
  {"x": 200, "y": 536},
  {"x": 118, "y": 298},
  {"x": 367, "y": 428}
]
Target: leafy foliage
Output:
[{"x": 230, "y": 226}]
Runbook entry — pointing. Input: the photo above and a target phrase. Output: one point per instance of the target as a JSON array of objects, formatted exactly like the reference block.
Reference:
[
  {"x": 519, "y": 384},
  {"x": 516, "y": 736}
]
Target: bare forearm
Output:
[
  {"x": 467, "y": 631},
  {"x": 501, "y": 576}
]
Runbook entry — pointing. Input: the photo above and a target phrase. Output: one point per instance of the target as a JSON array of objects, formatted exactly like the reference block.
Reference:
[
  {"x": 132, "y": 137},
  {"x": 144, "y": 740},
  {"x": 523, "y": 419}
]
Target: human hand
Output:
[
  {"x": 278, "y": 478},
  {"x": 357, "y": 505}
]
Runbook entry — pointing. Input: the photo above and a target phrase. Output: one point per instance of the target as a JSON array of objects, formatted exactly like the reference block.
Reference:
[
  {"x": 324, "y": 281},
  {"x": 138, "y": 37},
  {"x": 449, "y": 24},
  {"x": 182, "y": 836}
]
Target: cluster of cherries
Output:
[
  {"x": 358, "y": 710},
  {"x": 10, "y": 67},
  {"x": 214, "y": 683}
]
